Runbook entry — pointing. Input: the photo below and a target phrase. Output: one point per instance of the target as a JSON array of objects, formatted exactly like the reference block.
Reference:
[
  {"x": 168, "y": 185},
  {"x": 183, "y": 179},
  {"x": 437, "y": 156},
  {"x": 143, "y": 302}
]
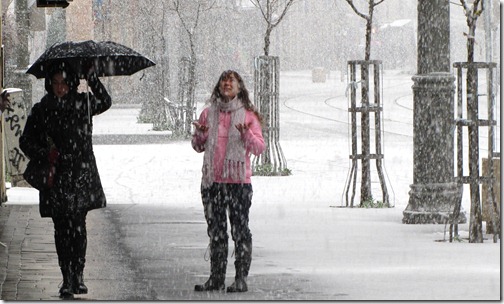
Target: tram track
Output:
[{"x": 288, "y": 103}]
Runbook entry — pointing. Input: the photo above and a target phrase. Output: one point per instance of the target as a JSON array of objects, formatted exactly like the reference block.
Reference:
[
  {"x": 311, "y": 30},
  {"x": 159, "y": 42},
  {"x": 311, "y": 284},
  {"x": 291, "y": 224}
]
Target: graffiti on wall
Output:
[{"x": 14, "y": 122}]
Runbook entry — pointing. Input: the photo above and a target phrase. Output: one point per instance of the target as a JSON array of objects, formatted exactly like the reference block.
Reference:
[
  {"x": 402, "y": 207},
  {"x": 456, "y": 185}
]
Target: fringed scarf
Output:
[{"x": 234, "y": 162}]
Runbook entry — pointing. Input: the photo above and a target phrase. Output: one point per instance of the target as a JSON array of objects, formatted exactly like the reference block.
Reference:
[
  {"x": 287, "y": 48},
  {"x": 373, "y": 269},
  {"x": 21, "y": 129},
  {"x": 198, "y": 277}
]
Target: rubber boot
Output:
[
  {"x": 218, "y": 264},
  {"x": 66, "y": 290},
  {"x": 78, "y": 277},
  {"x": 242, "y": 266}
]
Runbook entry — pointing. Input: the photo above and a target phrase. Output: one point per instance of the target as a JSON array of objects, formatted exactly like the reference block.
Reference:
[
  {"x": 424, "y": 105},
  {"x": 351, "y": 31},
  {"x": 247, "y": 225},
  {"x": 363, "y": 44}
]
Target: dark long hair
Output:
[{"x": 243, "y": 94}]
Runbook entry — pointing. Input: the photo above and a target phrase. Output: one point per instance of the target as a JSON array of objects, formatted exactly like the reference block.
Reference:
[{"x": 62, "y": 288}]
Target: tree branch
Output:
[
  {"x": 475, "y": 8},
  {"x": 356, "y": 10},
  {"x": 286, "y": 8},
  {"x": 377, "y": 3},
  {"x": 259, "y": 6},
  {"x": 465, "y": 6},
  {"x": 178, "y": 11}
]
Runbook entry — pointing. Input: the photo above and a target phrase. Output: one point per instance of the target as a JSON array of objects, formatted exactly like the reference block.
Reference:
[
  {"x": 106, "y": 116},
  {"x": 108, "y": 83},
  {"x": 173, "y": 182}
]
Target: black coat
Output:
[{"x": 77, "y": 185}]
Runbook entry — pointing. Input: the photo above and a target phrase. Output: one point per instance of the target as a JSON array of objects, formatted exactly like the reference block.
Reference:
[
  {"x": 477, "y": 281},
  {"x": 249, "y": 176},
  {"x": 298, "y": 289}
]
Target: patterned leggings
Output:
[{"x": 217, "y": 200}]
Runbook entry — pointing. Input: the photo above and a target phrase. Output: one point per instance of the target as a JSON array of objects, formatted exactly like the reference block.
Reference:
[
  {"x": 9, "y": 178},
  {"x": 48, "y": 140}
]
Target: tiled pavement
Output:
[{"x": 28, "y": 254}]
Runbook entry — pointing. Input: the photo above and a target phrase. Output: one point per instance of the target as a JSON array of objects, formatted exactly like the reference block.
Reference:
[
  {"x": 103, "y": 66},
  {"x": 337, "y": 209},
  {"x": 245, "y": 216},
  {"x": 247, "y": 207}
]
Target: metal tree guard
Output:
[
  {"x": 266, "y": 94},
  {"x": 473, "y": 121},
  {"x": 365, "y": 110}
]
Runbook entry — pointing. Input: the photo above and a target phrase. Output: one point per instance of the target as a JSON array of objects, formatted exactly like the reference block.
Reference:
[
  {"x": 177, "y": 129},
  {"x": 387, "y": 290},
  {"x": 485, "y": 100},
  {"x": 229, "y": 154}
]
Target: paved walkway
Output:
[
  {"x": 166, "y": 261},
  {"x": 150, "y": 253},
  {"x": 28, "y": 254},
  {"x": 27, "y": 250}
]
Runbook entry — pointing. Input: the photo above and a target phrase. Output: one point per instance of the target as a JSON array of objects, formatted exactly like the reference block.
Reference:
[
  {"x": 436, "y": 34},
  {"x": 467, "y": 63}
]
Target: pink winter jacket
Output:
[{"x": 252, "y": 138}]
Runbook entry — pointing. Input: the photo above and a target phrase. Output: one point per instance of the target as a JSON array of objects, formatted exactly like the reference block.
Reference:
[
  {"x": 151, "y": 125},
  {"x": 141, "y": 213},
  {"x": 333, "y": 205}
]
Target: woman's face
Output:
[
  {"x": 59, "y": 85},
  {"x": 229, "y": 87}
]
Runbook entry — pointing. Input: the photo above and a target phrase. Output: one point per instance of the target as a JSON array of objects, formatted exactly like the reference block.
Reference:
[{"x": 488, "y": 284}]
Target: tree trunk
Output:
[
  {"x": 470, "y": 42},
  {"x": 267, "y": 40},
  {"x": 475, "y": 225},
  {"x": 369, "y": 31},
  {"x": 367, "y": 55},
  {"x": 366, "y": 195},
  {"x": 190, "y": 97}
]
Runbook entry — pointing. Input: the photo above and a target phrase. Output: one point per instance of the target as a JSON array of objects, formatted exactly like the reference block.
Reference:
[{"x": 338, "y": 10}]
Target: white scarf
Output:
[{"x": 234, "y": 162}]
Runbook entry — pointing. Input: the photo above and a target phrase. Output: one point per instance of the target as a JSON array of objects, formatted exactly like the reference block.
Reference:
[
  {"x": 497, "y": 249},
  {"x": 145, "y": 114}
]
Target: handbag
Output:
[{"x": 39, "y": 174}]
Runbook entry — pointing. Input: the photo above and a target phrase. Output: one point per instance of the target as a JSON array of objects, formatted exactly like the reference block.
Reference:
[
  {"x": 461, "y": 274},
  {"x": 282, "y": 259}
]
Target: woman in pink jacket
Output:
[{"x": 228, "y": 131}]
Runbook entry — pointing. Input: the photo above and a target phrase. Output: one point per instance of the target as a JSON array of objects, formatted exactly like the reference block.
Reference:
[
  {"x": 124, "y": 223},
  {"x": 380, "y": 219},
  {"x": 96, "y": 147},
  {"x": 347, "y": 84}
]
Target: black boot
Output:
[
  {"x": 66, "y": 290},
  {"x": 215, "y": 282},
  {"x": 242, "y": 266},
  {"x": 78, "y": 277},
  {"x": 218, "y": 263},
  {"x": 239, "y": 285}
]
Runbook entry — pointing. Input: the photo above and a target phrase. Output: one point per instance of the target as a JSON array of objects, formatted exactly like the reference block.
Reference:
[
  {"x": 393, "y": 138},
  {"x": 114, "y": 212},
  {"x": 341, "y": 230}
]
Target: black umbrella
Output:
[{"x": 107, "y": 57}]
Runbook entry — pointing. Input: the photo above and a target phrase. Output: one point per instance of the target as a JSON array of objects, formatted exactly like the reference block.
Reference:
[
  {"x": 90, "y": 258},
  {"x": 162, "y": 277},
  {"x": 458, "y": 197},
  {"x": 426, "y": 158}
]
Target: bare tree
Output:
[
  {"x": 156, "y": 28},
  {"x": 266, "y": 91},
  {"x": 472, "y": 13},
  {"x": 475, "y": 226},
  {"x": 273, "y": 12},
  {"x": 189, "y": 14},
  {"x": 156, "y": 20},
  {"x": 369, "y": 22}
]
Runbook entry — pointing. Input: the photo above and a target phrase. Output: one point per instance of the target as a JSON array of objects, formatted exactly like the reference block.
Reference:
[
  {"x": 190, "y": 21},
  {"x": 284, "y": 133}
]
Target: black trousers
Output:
[
  {"x": 220, "y": 198},
  {"x": 70, "y": 236}
]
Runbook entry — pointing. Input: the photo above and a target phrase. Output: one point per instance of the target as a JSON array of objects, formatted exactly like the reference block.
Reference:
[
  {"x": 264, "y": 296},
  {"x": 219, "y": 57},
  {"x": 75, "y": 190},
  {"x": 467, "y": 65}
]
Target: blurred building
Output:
[{"x": 79, "y": 20}]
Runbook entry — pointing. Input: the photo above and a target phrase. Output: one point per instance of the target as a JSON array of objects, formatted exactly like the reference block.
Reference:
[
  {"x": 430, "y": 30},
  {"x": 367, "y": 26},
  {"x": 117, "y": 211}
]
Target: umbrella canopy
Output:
[{"x": 107, "y": 57}]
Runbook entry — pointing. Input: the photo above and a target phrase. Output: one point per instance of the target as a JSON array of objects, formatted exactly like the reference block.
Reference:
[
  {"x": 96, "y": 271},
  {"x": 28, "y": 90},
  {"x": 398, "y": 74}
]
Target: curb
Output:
[
  {"x": 4, "y": 252},
  {"x": 131, "y": 139}
]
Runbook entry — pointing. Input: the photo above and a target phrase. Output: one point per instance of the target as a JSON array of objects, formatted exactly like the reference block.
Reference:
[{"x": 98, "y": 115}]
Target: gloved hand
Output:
[{"x": 53, "y": 155}]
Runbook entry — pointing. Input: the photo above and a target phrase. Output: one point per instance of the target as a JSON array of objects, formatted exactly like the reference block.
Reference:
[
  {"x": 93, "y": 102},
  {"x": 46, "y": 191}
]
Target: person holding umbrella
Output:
[
  {"x": 58, "y": 130},
  {"x": 228, "y": 132}
]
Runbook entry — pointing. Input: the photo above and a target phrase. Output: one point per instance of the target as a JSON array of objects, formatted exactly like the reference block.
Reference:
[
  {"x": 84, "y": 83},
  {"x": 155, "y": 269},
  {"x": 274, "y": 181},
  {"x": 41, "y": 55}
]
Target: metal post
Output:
[
  {"x": 378, "y": 133},
  {"x": 353, "y": 171}
]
